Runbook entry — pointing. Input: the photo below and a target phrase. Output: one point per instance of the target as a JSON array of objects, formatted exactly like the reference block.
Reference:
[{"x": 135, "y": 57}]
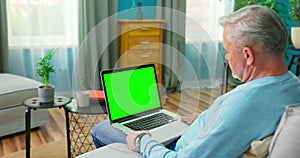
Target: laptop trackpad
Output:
[{"x": 168, "y": 133}]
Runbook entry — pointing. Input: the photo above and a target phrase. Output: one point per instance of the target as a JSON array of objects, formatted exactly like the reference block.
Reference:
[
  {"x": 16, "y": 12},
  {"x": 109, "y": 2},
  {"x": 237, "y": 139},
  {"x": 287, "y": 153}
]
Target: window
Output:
[
  {"x": 205, "y": 14},
  {"x": 42, "y": 22}
]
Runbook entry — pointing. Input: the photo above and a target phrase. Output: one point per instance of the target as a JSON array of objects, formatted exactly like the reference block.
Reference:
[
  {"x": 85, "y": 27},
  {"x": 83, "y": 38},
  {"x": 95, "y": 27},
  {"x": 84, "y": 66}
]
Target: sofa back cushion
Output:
[
  {"x": 286, "y": 140},
  {"x": 15, "y": 89}
]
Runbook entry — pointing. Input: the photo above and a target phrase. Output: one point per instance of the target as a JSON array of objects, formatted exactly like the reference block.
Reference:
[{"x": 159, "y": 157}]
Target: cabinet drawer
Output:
[
  {"x": 143, "y": 39},
  {"x": 143, "y": 26},
  {"x": 144, "y": 46},
  {"x": 145, "y": 31},
  {"x": 142, "y": 56},
  {"x": 148, "y": 42}
]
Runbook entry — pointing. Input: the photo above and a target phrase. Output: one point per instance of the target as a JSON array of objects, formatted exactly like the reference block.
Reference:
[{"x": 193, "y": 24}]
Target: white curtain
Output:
[
  {"x": 204, "y": 52},
  {"x": 34, "y": 27}
]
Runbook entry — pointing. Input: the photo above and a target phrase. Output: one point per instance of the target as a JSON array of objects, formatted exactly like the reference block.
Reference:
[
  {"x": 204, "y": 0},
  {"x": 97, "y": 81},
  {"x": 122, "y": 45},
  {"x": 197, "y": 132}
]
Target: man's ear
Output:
[{"x": 248, "y": 55}]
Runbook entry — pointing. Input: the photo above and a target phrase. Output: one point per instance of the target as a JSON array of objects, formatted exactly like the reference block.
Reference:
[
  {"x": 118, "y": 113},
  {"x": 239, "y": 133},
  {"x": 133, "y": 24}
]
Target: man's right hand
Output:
[{"x": 131, "y": 137}]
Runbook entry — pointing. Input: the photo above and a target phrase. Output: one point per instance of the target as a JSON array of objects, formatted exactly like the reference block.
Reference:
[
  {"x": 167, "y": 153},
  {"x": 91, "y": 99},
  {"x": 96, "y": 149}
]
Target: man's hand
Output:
[
  {"x": 131, "y": 138},
  {"x": 190, "y": 119}
]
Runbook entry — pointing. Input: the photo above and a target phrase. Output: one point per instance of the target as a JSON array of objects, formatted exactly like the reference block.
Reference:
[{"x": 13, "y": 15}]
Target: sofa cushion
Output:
[
  {"x": 259, "y": 148},
  {"x": 16, "y": 89},
  {"x": 286, "y": 140}
]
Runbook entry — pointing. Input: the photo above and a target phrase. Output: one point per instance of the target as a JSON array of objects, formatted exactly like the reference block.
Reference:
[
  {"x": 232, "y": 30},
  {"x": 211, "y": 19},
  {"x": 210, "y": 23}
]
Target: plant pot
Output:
[
  {"x": 295, "y": 35},
  {"x": 46, "y": 95}
]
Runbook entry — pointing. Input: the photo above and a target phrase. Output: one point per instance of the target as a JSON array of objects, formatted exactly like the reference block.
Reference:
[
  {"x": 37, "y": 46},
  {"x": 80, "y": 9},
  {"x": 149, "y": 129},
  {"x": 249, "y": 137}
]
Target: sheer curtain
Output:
[
  {"x": 204, "y": 52},
  {"x": 98, "y": 47},
  {"x": 34, "y": 27}
]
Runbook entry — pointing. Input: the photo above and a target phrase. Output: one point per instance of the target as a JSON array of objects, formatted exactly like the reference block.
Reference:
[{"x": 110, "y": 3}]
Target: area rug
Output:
[{"x": 57, "y": 149}]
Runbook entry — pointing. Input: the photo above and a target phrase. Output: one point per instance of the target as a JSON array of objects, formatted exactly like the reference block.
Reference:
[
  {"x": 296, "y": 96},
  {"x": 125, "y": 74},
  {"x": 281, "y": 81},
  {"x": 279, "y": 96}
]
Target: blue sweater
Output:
[{"x": 250, "y": 112}]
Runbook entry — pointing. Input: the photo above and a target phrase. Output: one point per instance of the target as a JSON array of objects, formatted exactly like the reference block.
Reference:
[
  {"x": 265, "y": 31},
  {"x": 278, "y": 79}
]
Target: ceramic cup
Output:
[{"x": 82, "y": 98}]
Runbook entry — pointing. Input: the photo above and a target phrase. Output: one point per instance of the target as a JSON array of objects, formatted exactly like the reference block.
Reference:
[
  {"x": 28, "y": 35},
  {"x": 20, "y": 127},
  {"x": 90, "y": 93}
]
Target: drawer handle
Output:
[
  {"x": 145, "y": 42},
  {"x": 145, "y": 28},
  {"x": 144, "y": 56}
]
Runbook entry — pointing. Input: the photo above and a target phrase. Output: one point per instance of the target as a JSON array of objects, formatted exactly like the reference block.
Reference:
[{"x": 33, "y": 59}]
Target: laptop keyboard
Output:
[{"x": 150, "y": 122}]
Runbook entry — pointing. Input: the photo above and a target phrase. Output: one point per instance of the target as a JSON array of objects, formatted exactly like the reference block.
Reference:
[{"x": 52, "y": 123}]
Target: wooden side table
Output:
[
  {"x": 79, "y": 123},
  {"x": 33, "y": 103}
]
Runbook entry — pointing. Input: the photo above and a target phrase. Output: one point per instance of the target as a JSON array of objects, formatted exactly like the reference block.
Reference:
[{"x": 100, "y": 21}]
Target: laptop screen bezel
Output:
[{"x": 130, "y": 117}]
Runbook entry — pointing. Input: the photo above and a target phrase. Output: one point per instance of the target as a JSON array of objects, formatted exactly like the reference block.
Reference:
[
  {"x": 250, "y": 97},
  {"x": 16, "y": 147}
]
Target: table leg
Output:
[
  {"x": 27, "y": 131},
  {"x": 291, "y": 62},
  {"x": 68, "y": 133},
  {"x": 297, "y": 65}
]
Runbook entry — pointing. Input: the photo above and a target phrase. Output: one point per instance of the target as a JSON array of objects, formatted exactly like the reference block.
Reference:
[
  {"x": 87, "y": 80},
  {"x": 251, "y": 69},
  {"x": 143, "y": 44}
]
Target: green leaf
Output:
[{"x": 44, "y": 67}]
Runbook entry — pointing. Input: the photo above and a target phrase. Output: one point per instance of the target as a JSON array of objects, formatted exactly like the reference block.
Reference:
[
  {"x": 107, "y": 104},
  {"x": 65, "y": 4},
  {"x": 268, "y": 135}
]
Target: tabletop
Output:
[
  {"x": 95, "y": 107},
  {"x": 59, "y": 101}
]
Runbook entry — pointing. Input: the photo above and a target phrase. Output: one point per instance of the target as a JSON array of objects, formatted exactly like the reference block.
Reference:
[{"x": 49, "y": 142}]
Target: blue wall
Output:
[
  {"x": 128, "y": 9},
  {"x": 290, "y": 23}
]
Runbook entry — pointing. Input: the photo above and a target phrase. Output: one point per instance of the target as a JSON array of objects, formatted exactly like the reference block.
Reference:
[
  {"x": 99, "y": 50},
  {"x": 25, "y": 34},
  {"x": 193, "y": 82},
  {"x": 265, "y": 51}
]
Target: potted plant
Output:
[
  {"x": 277, "y": 6},
  {"x": 43, "y": 70},
  {"x": 295, "y": 31}
]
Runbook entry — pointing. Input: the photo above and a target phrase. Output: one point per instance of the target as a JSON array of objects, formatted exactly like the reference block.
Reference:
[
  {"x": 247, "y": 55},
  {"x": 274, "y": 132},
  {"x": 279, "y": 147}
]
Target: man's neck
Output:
[{"x": 272, "y": 66}]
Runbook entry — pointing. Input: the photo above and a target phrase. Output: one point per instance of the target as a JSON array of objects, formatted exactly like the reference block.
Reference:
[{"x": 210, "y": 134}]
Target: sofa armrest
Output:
[{"x": 112, "y": 150}]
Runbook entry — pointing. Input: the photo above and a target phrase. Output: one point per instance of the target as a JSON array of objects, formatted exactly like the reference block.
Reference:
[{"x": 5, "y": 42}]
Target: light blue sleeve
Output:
[
  {"x": 249, "y": 112},
  {"x": 220, "y": 131},
  {"x": 199, "y": 139},
  {"x": 150, "y": 148}
]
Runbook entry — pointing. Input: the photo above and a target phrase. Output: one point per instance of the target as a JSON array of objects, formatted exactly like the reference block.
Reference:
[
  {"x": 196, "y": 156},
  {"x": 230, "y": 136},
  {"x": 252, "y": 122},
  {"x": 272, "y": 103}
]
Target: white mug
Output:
[{"x": 82, "y": 98}]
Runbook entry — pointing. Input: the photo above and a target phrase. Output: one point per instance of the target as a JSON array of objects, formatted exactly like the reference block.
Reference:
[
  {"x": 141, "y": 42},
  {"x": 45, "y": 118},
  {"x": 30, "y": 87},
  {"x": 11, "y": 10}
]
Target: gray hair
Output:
[{"x": 257, "y": 27}]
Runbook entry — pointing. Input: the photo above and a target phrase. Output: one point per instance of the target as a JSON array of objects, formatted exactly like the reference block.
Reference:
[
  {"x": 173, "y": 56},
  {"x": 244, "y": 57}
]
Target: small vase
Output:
[
  {"x": 295, "y": 35},
  {"x": 46, "y": 95},
  {"x": 140, "y": 15}
]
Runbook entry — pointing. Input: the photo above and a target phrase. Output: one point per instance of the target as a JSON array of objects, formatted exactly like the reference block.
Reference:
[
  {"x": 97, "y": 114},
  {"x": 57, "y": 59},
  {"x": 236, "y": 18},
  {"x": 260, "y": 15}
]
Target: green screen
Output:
[{"x": 131, "y": 92}]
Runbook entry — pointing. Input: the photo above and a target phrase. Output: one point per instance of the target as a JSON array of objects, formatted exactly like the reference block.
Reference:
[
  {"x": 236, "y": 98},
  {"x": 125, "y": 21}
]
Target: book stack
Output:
[{"x": 97, "y": 96}]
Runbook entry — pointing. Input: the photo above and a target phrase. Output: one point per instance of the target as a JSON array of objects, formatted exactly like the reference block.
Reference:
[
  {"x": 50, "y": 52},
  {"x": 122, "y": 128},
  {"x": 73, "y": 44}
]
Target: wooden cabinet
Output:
[{"x": 141, "y": 43}]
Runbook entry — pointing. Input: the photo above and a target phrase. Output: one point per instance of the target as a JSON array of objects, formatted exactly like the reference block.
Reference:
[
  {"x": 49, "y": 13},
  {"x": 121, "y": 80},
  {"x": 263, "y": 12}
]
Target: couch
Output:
[
  {"x": 284, "y": 143},
  {"x": 14, "y": 90}
]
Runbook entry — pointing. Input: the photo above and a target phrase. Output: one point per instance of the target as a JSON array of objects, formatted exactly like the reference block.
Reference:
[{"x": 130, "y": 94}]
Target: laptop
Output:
[{"x": 132, "y": 94}]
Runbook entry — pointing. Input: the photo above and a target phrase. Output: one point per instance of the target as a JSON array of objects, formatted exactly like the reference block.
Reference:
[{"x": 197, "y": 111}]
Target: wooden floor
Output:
[
  {"x": 184, "y": 103},
  {"x": 54, "y": 130}
]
